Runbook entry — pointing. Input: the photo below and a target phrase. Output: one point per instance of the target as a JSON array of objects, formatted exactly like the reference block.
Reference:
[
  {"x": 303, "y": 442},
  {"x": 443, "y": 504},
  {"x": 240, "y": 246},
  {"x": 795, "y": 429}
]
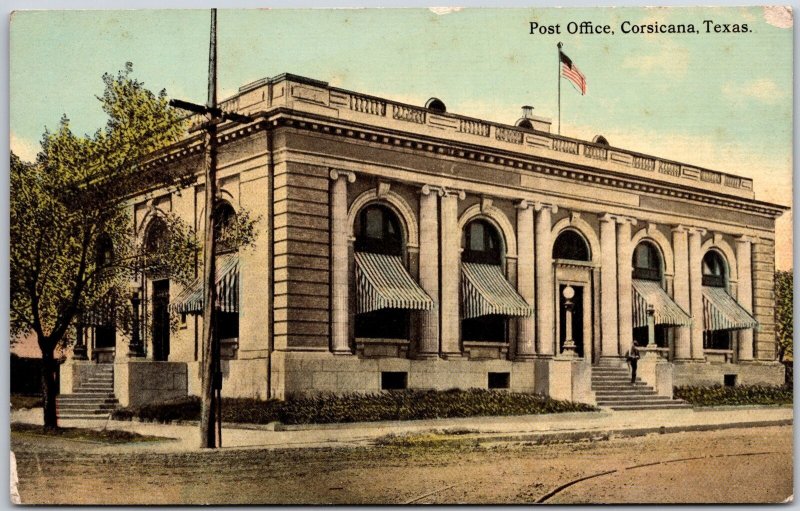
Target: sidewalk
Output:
[{"x": 533, "y": 428}]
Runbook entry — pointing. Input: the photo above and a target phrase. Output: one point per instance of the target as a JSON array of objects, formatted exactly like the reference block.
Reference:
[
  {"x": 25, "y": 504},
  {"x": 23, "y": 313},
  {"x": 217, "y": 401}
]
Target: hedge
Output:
[
  {"x": 400, "y": 405},
  {"x": 719, "y": 395}
]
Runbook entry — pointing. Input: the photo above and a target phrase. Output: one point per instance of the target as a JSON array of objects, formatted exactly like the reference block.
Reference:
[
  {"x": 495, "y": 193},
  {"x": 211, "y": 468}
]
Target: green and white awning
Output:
[
  {"x": 666, "y": 311},
  {"x": 190, "y": 300},
  {"x": 382, "y": 282},
  {"x": 485, "y": 291},
  {"x": 722, "y": 312}
]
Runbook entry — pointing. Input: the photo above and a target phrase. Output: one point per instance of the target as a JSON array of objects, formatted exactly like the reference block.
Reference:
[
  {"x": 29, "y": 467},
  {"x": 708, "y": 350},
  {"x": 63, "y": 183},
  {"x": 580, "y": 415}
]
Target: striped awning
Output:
[
  {"x": 382, "y": 282},
  {"x": 485, "y": 290},
  {"x": 666, "y": 311},
  {"x": 722, "y": 312},
  {"x": 190, "y": 300}
]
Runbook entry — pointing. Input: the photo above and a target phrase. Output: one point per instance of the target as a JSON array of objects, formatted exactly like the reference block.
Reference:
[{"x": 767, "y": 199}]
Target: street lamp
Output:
[
  {"x": 569, "y": 343},
  {"x": 136, "y": 342}
]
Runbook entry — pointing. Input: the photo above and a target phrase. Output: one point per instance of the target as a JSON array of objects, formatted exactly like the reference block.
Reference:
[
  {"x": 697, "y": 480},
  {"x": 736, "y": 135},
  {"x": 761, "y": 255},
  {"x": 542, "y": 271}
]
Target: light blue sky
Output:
[{"x": 722, "y": 101}]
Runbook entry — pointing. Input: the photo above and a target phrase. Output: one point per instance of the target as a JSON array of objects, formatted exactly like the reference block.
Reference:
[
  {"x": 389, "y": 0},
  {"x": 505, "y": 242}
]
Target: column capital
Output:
[
  {"x": 696, "y": 230},
  {"x": 429, "y": 189},
  {"x": 450, "y": 192},
  {"x": 679, "y": 229},
  {"x": 608, "y": 217},
  {"x": 621, "y": 219},
  {"x": 523, "y": 204},
  {"x": 745, "y": 238},
  {"x": 337, "y": 173},
  {"x": 539, "y": 206}
]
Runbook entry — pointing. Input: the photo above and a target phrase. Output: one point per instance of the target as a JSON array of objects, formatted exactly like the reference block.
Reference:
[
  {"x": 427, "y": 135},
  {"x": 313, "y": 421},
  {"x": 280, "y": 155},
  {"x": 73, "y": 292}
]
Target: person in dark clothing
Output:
[{"x": 633, "y": 360}]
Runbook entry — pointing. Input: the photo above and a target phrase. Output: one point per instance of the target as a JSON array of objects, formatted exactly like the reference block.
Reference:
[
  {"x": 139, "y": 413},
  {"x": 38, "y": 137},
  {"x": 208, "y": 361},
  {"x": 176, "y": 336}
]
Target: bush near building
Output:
[
  {"x": 401, "y": 405},
  {"x": 739, "y": 395}
]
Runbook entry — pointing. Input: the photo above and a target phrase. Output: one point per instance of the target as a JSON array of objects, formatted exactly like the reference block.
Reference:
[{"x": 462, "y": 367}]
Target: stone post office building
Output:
[{"x": 403, "y": 246}]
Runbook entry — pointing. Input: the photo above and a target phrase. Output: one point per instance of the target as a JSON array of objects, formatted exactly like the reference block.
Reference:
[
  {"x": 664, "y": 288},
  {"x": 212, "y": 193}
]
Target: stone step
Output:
[
  {"x": 80, "y": 416},
  {"x": 627, "y": 400},
  {"x": 86, "y": 409},
  {"x": 95, "y": 388},
  {"x": 89, "y": 395},
  {"x": 624, "y": 392},
  {"x": 80, "y": 400},
  {"x": 658, "y": 406}
]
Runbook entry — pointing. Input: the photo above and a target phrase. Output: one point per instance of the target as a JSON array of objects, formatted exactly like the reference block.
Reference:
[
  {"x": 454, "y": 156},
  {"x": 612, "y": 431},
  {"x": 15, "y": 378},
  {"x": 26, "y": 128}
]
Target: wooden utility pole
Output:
[{"x": 211, "y": 375}]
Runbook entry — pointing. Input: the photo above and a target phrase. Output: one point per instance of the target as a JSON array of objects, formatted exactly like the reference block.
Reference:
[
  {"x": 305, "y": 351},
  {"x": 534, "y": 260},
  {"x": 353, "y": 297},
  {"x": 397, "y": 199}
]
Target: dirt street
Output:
[{"x": 731, "y": 466}]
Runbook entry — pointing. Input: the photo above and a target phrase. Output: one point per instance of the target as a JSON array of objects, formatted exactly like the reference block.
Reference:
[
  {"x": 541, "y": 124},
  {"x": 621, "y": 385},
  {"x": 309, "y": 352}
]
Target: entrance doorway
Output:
[
  {"x": 160, "y": 331},
  {"x": 577, "y": 319}
]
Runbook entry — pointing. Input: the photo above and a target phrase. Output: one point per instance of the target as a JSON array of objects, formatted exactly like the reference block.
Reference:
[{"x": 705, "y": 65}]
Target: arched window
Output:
[
  {"x": 571, "y": 245},
  {"x": 647, "y": 262},
  {"x": 481, "y": 243},
  {"x": 713, "y": 269},
  {"x": 224, "y": 219},
  {"x": 378, "y": 231},
  {"x": 104, "y": 254},
  {"x": 155, "y": 240}
]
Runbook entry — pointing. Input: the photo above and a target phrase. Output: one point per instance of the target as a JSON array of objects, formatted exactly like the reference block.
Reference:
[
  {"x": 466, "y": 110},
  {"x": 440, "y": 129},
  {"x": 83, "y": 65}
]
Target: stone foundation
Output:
[
  {"x": 297, "y": 374},
  {"x": 140, "y": 382},
  {"x": 747, "y": 373}
]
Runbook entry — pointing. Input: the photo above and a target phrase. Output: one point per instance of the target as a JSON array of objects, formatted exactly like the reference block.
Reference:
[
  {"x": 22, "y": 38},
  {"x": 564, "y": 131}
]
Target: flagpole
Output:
[{"x": 559, "y": 86}]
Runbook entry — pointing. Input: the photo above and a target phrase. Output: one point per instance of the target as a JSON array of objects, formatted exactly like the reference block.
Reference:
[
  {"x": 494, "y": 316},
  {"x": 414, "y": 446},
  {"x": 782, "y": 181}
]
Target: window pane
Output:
[
  {"x": 374, "y": 219},
  {"x": 476, "y": 237}
]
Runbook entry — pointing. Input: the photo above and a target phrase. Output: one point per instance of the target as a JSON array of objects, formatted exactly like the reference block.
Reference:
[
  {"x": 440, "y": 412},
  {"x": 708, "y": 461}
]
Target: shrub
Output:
[
  {"x": 739, "y": 395},
  {"x": 401, "y": 405}
]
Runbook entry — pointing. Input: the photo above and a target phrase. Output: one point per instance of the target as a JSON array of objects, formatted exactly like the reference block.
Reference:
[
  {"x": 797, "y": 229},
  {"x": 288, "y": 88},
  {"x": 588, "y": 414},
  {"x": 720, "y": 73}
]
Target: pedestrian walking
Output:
[{"x": 633, "y": 359}]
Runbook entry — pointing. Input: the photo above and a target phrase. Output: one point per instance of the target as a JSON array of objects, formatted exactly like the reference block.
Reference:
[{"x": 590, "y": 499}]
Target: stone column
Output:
[
  {"x": 696, "y": 291},
  {"x": 744, "y": 254},
  {"x": 525, "y": 278},
  {"x": 680, "y": 293},
  {"x": 545, "y": 301},
  {"x": 340, "y": 342},
  {"x": 429, "y": 269},
  {"x": 450, "y": 237},
  {"x": 624, "y": 284},
  {"x": 609, "y": 340}
]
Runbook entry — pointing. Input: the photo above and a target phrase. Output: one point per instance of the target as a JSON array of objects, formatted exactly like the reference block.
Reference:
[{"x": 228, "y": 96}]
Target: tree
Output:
[
  {"x": 783, "y": 314},
  {"x": 71, "y": 203}
]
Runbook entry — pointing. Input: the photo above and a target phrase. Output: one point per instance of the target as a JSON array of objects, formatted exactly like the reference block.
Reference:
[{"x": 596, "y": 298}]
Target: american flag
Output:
[{"x": 571, "y": 72}]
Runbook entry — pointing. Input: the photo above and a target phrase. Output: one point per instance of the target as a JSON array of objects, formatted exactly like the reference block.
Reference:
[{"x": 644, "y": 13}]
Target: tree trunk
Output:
[{"x": 49, "y": 389}]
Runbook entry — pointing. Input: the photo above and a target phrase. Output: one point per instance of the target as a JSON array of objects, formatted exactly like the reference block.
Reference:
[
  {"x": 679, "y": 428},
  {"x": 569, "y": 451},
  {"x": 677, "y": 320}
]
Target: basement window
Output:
[
  {"x": 394, "y": 380},
  {"x": 499, "y": 380},
  {"x": 730, "y": 380}
]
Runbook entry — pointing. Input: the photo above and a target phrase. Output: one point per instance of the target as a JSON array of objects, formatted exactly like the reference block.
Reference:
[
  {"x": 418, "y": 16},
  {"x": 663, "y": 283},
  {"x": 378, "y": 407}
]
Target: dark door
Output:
[
  {"x": 160, "y": 320},
  {"x": 577, "y": 319}
]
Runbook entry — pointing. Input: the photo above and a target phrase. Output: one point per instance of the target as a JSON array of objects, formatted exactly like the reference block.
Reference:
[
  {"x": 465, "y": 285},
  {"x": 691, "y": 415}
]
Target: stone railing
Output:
[
  {"x": 565, "y": 146},
  {"x": 709, "y": 176},
  {"x": 508, "y": 135},
  {"x": 640, "y": 162},
  {"x": 445, "y": 122},
  {"x": 409, "y": 114},
  {"x": 367, "y": 105},
  {"x": 598, "y": 153},
  {"x": 669, "y": 168},
  {"x": 473, "y": 127}
]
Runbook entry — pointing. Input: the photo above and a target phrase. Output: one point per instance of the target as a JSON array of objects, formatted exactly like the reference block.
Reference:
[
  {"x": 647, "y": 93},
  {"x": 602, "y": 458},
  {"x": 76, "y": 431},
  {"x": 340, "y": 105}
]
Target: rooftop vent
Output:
[
  {"x": 525, "y": 121},
  {"x": 600, "y": 139},
  {"x": 436, "y": 105}
]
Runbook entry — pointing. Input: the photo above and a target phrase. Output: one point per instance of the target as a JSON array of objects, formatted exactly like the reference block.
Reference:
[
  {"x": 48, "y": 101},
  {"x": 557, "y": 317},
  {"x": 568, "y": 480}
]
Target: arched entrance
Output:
[{"x": 574, "y": 287}]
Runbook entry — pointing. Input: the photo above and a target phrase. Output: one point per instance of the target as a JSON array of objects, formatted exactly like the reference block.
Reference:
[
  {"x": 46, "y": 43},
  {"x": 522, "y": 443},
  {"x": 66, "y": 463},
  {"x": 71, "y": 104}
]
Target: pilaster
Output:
[
  {"x": 696, "y": 291},
  {"x": 609, "y": 340},
  {"x": 450, "y": 236},
  {"x": 340, "y": 343},
  {"x": 545, "y": 300},
  {"x": 429, "y": 268},
  {"x": 526, "y": 333}
]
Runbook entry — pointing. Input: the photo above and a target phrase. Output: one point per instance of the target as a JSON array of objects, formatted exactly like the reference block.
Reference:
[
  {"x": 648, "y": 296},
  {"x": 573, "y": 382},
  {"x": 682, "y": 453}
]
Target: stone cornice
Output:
[{"x": 282, "y": 117}]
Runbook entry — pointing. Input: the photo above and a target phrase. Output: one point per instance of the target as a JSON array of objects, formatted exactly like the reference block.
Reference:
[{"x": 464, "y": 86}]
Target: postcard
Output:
[{"x": 455, "y": 256}]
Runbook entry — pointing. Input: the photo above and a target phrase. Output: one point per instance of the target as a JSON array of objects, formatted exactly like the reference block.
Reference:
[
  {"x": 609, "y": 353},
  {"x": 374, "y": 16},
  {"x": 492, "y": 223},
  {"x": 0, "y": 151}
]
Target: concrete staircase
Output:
[
  {"x": 613, "y": 388},
  {"x": 94, "y": 397}
]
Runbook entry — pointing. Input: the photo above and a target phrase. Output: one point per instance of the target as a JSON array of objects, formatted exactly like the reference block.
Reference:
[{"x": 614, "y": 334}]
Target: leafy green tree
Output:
[
  {"x": 783, "y": 314},
  {"x": 69, "y": 213}
]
